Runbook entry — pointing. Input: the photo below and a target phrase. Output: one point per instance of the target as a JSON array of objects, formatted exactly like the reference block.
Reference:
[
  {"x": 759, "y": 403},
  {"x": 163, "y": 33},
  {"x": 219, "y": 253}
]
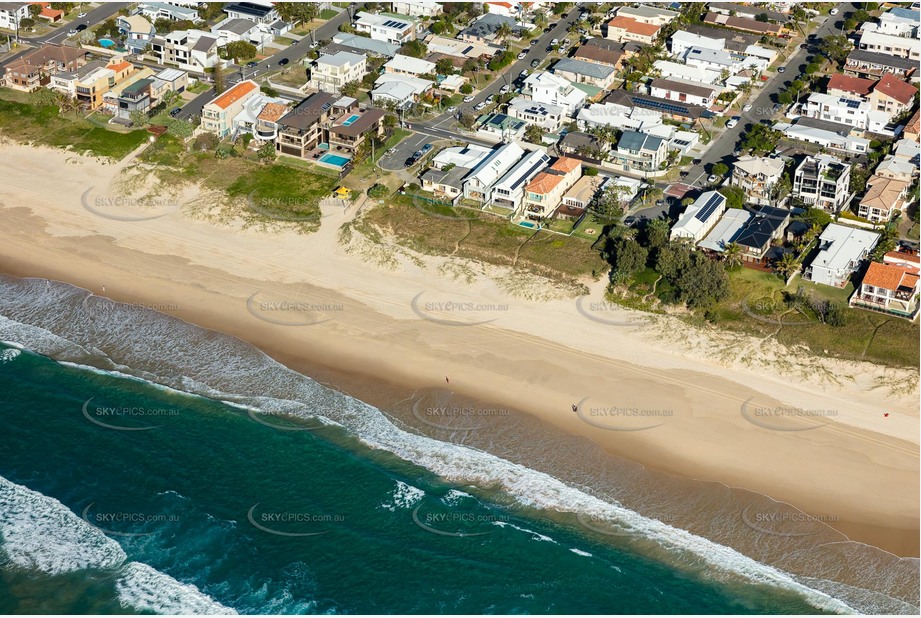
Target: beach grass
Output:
[
  {"x": 435, "y": 229},
  {"x": 22, "y": 120}
]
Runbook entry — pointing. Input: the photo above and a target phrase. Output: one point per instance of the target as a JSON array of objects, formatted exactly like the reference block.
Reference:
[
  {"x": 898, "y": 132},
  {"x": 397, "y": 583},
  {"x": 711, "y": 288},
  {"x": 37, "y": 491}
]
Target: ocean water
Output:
[{"x": 149, "y": 465}]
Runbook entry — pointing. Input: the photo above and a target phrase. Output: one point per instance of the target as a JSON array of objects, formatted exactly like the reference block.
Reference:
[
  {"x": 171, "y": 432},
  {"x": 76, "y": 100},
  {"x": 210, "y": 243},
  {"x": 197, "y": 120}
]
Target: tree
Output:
[
  {"x": 787, "y": 265},
  {"x": 673, "y": 258},
  {"x": 467, "y": 119},
  {"x": 785, "y": 98},
  {"x": 466, "y": 88},
  {"x": 470, "y": 66},
  {"x": 414, "y": 48},
  {"x": 350, "y": 89},
  {"x": 735, "y": 196},
  {"x": 266, "y": 152},
  {"x": 534, "y": 134},
  {"x": 703, "y": 283},
  {"x": 887, "y": 242},
  {"x": 138, "y": 118},
  {"x": 390, "y": 122},
  {"x": 217, "y": 74},
  {"x": 656, "y": 233},
  {"x": 294, "y": 12},
  {"x": 179, "y": 128},
  {"x": 205, "y": 142},
  {"x": 503, "y": 31},
  {"x": 652, "y": 193},
  {"x": 720, "y": 169},
  {"x": 444, "y": 66},
  {"x": 608, "y": 205},
  {"x": 627, "y": 257},
  {"x": 35, "y": 10},
  {"x": 836, "y": 48},
  {"x": 240, "y": 51},
  {"x": 732, "y": 254},
  {"x": 761, "y": 138},
  {"x": 268, "y": 90},
  {"x": 26, "y": 23}
]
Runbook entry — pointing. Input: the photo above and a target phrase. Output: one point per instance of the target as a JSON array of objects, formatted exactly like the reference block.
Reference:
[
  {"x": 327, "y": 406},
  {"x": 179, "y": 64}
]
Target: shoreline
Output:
[{"x": 866, "y": 479}]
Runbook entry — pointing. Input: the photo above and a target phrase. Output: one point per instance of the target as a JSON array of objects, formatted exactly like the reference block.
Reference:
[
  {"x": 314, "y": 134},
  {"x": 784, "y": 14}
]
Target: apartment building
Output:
[
  {"x": 544, "y": 193},
  {"x": 91, "y": 88},
  {"x": 303, "y": 128},
  {"x": 36, "y": 68},
  {"x": 508, "y": 192},
  {"x": 582, "y": 72},
  {"x": 641, "y": 152},
  {"x": 331, "y": 73},
  {"x": 12, "y": 13},
  {"x": 891, "y": 45},
  {"x": 549, "y": 88},
  {"x": 883, "y": 199},
  {"x": 352, "y": 133},
  {"x": 648, "y": 14},
  {"x": 545, "y": 115},
  {"x": 189, "y": 50},
  {"x": 823, "y": 181},
  {"x": 479, "y": 183},
  {"x": 623, "y": 29},
  {"x": 217, "y": 115},
  {"x": 757, "y": 177},
  {"x": 856, "y": 113},
  {"x": 842, "y": 250}
]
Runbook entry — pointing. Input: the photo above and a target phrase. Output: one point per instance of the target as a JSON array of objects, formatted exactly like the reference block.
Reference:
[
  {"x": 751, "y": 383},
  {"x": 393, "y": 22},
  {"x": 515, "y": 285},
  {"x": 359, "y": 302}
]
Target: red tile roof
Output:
[
  {"x": 632, "y": 26},
  {"x": 566, "y": 164},
  {"x": 857, "y": 85},
  {"x": 895, "y": 88},
  {"x": 914, "y": 124},
  {"x": 890, "y": 277},
  {"x": 234, "y": 94}
]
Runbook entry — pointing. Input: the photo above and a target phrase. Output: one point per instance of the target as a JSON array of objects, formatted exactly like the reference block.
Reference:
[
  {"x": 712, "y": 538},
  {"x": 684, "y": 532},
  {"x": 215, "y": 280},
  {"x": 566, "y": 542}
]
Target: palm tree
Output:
[
  {"x": 651, "y": 192},
  {"x": 732, "y": 255},
  {"x": 503, "y": 31},
  {"x": 787, "y": 265}
]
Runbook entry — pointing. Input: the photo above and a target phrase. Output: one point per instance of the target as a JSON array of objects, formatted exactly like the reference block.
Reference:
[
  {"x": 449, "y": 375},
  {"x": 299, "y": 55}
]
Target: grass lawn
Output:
[
  {"x": 365, "y": 171},
  {"x": 328, "y": 14},
  {"x": 198, "y": 87},
  {"x": 865, "y": 335},
  {"x": 430, "y": 229},
  {"x": 29, "y": 123}
]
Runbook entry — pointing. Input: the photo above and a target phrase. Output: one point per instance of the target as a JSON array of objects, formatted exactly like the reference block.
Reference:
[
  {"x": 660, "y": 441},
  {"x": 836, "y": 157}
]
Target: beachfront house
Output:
[
  {"x": 842, "y": 250},
  {"x": 700, "y": 217}
]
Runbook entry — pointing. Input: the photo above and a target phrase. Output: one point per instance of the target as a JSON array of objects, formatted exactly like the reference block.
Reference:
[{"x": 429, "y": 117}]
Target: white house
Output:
[
  {"x": 508, "y": 191},
  {"x": 401, "y": 91},
  {"x": 479, "y": 183},
  {"x": 823, "y": 181},
  {"x": 545, "y": 87},
  {"x": 394, "y": 29},
  {"x": 687, "y": 72},
  {"x": 167, "y": 10},
  {"x": 582, "y": 72},
  {"x": 619, "y": 116},
  {"x": 721, "y": 60},
  {"x": 641, "y": 152},
  {"x": 682, "y": 41},
  {"x": 684, "y": 91},
  {"x": 841, "y": 251},
  {"x": 805, "y": 132},
  {"x": 233, "y": 29},
  {"x": 700, "y": 217},
  {"x": 417, "y": 8},
  {"x": 259, "y": 11},
  {"x": 407, "y": 65},
  {"x": 647, "y": 14},
  {"x": 897, "y": 46},
  {"x": 11, "y": 13},
  {"x": 757, "y": 177},
  {"x": 190, "y": 50},
  {"x": 468, "y": 156},
  {"x": 547, "y": 116},
  {"x": 332, "y": 72},
  {"x": 852, "y": 112},
  {"x": 897, "y": 21}
]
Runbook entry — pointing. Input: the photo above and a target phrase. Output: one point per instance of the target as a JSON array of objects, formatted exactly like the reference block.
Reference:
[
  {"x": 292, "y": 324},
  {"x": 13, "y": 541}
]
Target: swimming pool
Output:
[
  {"x": 107, "y": 43},
  {"x": 350, "y": 120},
  {"x": 335, "y": 160},
  {"x": 527, "y": 224}
]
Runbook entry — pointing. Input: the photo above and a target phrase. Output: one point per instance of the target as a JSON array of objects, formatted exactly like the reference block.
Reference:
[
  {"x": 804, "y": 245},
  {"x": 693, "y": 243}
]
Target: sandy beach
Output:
[{"x": 835, "y": 439}]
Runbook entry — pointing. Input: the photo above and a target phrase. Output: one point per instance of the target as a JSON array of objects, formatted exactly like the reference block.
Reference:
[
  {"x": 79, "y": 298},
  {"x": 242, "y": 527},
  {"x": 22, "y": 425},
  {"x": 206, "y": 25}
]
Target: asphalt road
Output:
[
  {"x": 762, "y": 108},
  {"x": 293, "y": 54}
]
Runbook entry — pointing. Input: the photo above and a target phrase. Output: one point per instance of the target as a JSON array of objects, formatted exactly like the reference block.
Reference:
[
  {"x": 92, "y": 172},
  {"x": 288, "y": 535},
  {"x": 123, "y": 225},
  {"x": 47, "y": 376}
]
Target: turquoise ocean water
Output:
[{"x": 160, "y": 467}]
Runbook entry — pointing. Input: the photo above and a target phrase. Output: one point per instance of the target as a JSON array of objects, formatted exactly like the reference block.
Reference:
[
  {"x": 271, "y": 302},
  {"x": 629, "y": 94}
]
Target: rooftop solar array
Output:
[
  {"x": 704, "y": 213},
  {"x": 676, "y": 109},
  {"x": 392, "y": 23}
]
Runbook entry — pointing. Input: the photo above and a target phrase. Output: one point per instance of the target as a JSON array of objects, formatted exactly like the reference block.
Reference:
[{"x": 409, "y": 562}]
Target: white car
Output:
[
  {"x": 71, "y": 32},
  {"x": 505, "y": 89},
  {"x": 451, "y": 110},
  {"x": 468, "y": 98},
  {"x": 479, "y": 106},
  {"x": 747, "y": 107},
  {"x": 522, "y": 55},
  {"x": 81, "y": 15},
  {"x": 833, "y": 12},
  {"x": 712, "y": 178}
]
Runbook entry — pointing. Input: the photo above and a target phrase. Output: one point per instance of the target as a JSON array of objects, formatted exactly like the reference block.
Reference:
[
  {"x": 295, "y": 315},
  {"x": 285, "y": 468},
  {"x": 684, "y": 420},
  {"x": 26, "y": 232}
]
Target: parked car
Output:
[
  {"x": 479, "y": 106},
  {"x": 175, "y": 111},
  {"x": 712, "y": 178},
  {"x": 747, "y": 108},
  {"x": 505, "y": 89},
  {"x": 534, "y": 42},
  {"x": 733, "y": 122},
  {"x": 548, "y": 29},
  {"x": 80, "y": 27},
  {"x": 490, "y": 99},
  {"x": 451, "y": 110},
  {"x": 522, "y": 55},
  {"x": 251, "y": 64},
  {"x": 72, "y": 32},
  {"x": 535, "y": 63},
  {"x": 834, "y": 11},
  {"x": 524, "y": 74},
  {"x": 283, "y": 62},
  {"x": 81, "y": 15},
  {"x": 468, "y": 98},
  {"x": 425, "y": 149},
  {"x": 555, "y": 42},
  {"x": 781, "y": 69}
]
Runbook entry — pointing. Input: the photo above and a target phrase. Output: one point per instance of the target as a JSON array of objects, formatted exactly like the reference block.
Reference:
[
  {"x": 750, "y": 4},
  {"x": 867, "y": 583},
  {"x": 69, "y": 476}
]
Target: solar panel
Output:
[{"x": 704, "y": 213}]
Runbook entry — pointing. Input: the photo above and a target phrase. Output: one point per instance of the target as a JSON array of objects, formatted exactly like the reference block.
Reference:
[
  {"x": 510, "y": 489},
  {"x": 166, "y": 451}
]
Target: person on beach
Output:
[
  {"x": 575, "y": 408},
  {"x": 447, "y": 381}
]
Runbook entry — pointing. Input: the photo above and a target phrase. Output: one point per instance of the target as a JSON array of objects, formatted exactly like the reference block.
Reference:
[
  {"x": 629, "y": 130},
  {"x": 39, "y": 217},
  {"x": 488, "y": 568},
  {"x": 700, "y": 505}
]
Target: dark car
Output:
[
  {"x": 175, "y": 111},
  {"x": 535, "y": 63},
  {"x": 283, "y": 62},
  {"x": 425, "y": 149},
  {"x": 80, "y": 28},
  {"x": 548, "y": 28},
  {"x": 251, "y": 64},
  {"x": 410, "y": 162}
]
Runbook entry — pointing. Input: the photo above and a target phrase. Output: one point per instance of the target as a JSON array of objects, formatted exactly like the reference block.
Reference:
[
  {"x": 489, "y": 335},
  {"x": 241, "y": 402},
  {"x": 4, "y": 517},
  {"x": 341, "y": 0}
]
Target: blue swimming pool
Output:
[
  {"x": 350, "y": 120},
  {"x": 527, "y": 224},
  {"x": 107, "y": 43},
  {"x": 331, "y": 159}
]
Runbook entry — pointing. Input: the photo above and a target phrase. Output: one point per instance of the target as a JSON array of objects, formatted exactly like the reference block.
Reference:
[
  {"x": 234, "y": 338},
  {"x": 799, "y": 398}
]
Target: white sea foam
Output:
[
  {"x": 38, "y": 532},
  {"x": 144, "y": 588},
  {"x": 535, "y": 536},
  {"x": 187, "y": 357},
  {"x": 403, "y": 496},
  {"x": 454, "y": 496},
  {"x": 8, "y": 356},
  {"x": 580, "y": 552}
]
